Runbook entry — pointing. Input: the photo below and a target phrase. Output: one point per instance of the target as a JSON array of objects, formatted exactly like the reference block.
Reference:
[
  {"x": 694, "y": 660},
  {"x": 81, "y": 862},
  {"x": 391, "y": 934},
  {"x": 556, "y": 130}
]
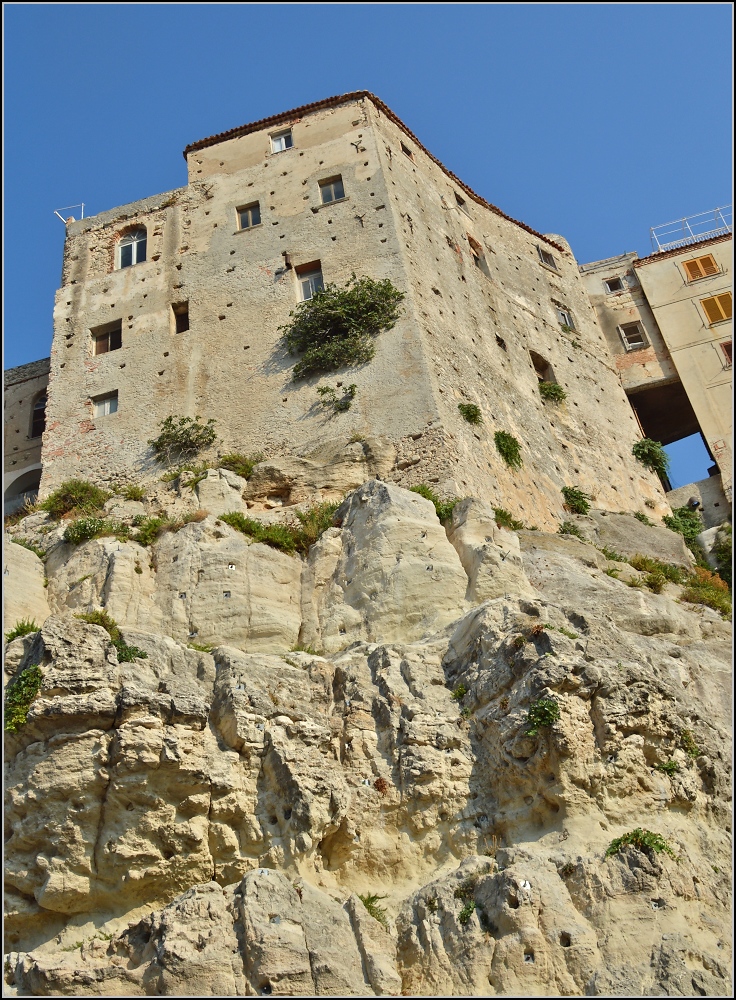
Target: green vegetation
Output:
[
  {"x": 431, "y": 903},
  {"x": 126, "y": 654},
  {"x": 199, "y": 648},
  {"x": 642, "y": 840},
  {"x": 151, "y": 528},
  {"x": 182, "y": 438},
  {"x": 576, "y": 501},
  {"x": 688, "y": 744},
  {"x": 570, "y": 528},
  {"x": 466, "y": 888},
  {"x": 24, "y": 627},
  {"x": 562, "y": 631},
  {"x": 304, "y": 649},
  {"x": 509, "y": 449},
  {"x": 459, "y": 693},
  {"x": 133, "y": 492},
  {"x": 612, "y": 554},
  {"x": 466, "y": 713},
  {"x": 670, "y": 767},
  {"x": 673, "y": 574},
  {"x": 289, "y": 538},
  {"x": 20, "y": 513},
  {"x": 612, "y": 571},
  {"x": 337, "y": 327},
  {"x": 31, "y": 546},
  {"x": 688, "y": 523},
  {"x": 542, "y": 713},
  {"x": 241, "y": 465},
  {"x": 707, "y": 588},
  {"x": 470, "y": 412},
  {"x": 640, "y": 516},
  {"x": 199, "y": 470},
  {"x": 370, "y": 902},
  {"x": 338, "y": 404},
  {"x": 722, "y": 553},
  {"x": 85, "y": 528},
  {"x": 18, "y": 697},
  {"x": 506, "y": 520},
  {"x": 552, "y": 392},
  {"x": 75, "y": 495},
  {"x": 652, "y": 456},
  {"x": 655, "y": 581},
  {"x": 467, "y": 912},
  {"x": 443, "y": 508}
]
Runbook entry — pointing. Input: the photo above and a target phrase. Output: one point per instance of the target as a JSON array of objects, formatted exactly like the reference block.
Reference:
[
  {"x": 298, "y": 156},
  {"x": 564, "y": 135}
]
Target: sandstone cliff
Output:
[{"x": 204, "y": 823}]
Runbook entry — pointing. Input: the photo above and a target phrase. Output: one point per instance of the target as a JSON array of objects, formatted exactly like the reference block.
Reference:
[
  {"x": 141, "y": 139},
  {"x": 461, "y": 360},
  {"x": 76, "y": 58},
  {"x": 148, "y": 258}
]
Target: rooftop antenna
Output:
[{"x": 66, "y": 209}]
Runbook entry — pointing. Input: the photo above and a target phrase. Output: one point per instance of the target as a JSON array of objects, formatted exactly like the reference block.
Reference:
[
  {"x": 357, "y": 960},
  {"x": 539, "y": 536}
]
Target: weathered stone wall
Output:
[
  {"x": 398, "y": 220},
  {"x": 22, "y": 387},
  {"x": 714, "y": 505}
]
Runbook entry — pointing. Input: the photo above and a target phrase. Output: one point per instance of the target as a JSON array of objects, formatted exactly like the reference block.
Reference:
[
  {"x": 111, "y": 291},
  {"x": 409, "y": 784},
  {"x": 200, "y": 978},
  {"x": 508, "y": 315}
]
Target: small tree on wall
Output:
[
  {"x": 652, "y": 455},
  {"x": 182, "y": 438},
  {"x": 337, "y": 327}
]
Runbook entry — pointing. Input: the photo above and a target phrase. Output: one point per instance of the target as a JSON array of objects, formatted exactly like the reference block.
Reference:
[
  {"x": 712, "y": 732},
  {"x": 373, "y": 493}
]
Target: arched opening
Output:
[
  {"x": 131, "y": 248},
  {"x": 38, "y": 415},
  {"x": 21, "y": 490},
  {"x": 542, "y": 368}
]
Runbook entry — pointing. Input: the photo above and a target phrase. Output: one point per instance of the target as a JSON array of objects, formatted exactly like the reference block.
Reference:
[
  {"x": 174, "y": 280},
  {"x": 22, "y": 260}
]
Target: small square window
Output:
[
  {"x": 718, "y": 308},
  {"x": 701, "y": 267},
  {"x": 310, "y": 279},
  {"x": 633, "y": 336},
  {"x": 181, "y": 316},
  {"x": 249, "y": 215},
  {"x": 103, "y": 406},
  {"x": 331, "y": 190},
  {"x": 108, "y": 338},
  {"x": 614, "y": 285},
  {"x": 726, "y": 349},
  {"x": 547, "y": 258},
  {"x": 281, "y": 141},
  {"x": 565, "y": 317},
  {"x": 460, "y": 202},
  {"x": 406, "y": 151}
]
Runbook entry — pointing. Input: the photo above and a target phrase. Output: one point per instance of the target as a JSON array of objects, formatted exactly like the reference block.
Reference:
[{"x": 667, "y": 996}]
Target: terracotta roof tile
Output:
[{"x": 688, "y": 248}]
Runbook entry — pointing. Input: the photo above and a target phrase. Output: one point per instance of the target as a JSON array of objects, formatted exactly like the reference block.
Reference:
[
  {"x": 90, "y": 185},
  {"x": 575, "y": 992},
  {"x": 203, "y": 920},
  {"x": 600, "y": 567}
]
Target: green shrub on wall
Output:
[
  {"x": 652, "y": 455},
  {"x": 182, "y": 438},
  {"x": 576, "y": 501},
  {"x": 509, "y": 449},
  {"x": 337, "y": 327},
  {"x": 470, "y": 412}
]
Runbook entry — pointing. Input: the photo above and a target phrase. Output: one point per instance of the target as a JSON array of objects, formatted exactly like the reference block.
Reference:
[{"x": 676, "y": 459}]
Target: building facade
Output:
[
  {"x": 25, "y": 418},
  {"x": 174, "y": 305}
]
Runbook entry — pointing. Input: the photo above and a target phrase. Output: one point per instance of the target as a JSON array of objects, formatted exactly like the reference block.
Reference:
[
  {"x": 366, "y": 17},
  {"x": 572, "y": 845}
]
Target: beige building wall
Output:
[
  {"x": 465, "y": 335},
  {"x": 24, "y": 387},
  {"x": 700, "y": 345}
]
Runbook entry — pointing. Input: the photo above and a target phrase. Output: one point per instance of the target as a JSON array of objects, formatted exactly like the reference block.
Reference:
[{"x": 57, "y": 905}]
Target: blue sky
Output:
[{"x": 592, "y": 121}]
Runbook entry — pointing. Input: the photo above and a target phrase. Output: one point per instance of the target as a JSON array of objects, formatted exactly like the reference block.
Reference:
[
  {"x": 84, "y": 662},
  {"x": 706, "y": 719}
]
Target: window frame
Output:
[
  {"x": 239, "y": 212},
  {"x": 716, "y": 299},
  {"x": 406, "y": 151},
  {"x": 726, "y": 347},
  {"x": 328, "y": 184},
  {"x": 551, "y": 263},
  {"x": 633, "y": 347},
  {"x": 613, "y": 291},
  {"x": 689, "y": 279},
  {"x": 565, "y": 316},
  {"x": 41, "y": 397},
  {"x": 105, "y": 333},
  {"x": 127, "y": 240},
  {"x": 282, "y": 134},
  {"x": 106, "y": 397}
]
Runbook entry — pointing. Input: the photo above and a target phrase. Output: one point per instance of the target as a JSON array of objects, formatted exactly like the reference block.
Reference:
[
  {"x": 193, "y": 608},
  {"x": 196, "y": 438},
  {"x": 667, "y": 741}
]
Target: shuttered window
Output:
[
  {"x": 701, "y": 267},
  {"x": 717, "y": 308}
]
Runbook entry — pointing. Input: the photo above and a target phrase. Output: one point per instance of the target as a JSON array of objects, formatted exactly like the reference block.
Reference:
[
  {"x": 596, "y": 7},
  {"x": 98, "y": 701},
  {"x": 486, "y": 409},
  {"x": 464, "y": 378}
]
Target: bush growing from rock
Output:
[
  {"x": 18, "y": 697},
  {"x": 370, "y": 902},
  {"x": 552, "y": 391},
  {"x": 182, "y": 438},
  {"x": 509, "y": 449},
  {"x": 85, "y": 528},
  {"x": 470, "y": 412},
  {"x": 652, "y": 456},
  {"x": 126, "y": 653},
  {"x": 23, "y": 627},
  {"x": 443, "y": 508},
  {"x": 576, "y": 501},
  {"x": 76, "y": 495},
  {"x": 642, "y": 840},
  {"x": 543, "y": 712},
  {"x": 241, "y": 465}
]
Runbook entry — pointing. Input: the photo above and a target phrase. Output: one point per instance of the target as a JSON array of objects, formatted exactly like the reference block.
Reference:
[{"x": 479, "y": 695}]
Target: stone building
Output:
[
  {"x": 173, "y": 306},
  {"x": 25, "y": 417},
  {"x": 667, "y": 322}
]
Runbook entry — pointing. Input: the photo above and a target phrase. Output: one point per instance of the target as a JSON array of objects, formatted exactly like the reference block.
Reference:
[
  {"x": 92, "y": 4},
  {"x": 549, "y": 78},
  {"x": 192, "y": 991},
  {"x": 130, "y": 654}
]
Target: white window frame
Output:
[
  {"x": 543, "y": 255},
  {"x": 249, "y": 209},
  {"x": 138, "y": 240},
  {"x": 612, "y": 291},
  {"x": 281, "y": 141},
  {"x": 565, "y": 316},
  {"x": 102, "y": 406},
  {"x": 328, "y": 187},
  {"x": 314, "y": 282},
  {"x": 633, "y": 347}
]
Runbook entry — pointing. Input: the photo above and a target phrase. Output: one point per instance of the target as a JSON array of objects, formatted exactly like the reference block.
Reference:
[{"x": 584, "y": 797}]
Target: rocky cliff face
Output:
[{"x": 488, "y": 712}]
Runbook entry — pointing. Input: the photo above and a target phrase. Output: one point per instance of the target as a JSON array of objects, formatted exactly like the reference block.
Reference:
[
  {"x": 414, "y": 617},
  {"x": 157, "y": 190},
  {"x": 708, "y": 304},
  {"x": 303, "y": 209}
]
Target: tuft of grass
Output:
[
  {"x": 671, "y": 573},
  {"x": 74, "y": 495},
  {"x": 289, "y": 538},
  {"x": 443, "y": 508},
  {"x": 134, "y": 492},
  {"x": 576, "y": 501},
  {"x": 126, "y": 654},
  {"x": 612, "y": 571},
  {"x": 612, "y": 554},
  {"x": 241, "y": 465},
  {"x": 642, "y": 840},
  {"x": 149, "y": 529},
  {"x": 688, "y": 744},
  {"x": 506, "y": 520},
  {"x": 304, "y": 649},
  {"x": 655, "y": 581},
  {"x": 370, "y": 902},
  {"x": 670, "y": 767},
  {"x": 467, "y": 912},
  {"x": 543, "y": 713},
  {"x": 643, "y": 518},
  {"x": 708, "y": 589},
  {"x": 25, "y": 626},
  {"x": 18, "y": 515},
  {"x": 31, "y": 546},
  {"x": 199, "y": 648},
  {"x": 552, "y": 392},
  {"x": 509, "y": 449},
  {"x": 459, "y": 693},
  {"x": 85, "y": 528},
  {"x": 470, "y": 412},
  {"x": 570, "y": 528},
  {"x": 18, "y": 697}
]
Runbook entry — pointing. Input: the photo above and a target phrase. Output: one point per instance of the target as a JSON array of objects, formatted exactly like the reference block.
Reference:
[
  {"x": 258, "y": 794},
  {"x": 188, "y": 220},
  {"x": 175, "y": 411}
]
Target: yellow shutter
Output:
[
  {"x": 724, "y": 301},
  {"x": 711, "y": 310},
  {"x": 709, "y": 265},
  {"x": 693, "y": 269}
]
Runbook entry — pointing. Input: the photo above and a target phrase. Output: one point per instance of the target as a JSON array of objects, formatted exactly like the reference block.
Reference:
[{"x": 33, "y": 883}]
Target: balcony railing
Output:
[{"x": 692, "y": 229}]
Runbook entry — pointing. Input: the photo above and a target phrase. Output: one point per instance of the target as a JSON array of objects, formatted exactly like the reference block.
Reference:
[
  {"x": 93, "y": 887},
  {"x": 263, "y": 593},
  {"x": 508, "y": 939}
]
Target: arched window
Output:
[
  {"x": 542, "y": 368},
  {"x": 38, "y": 420},
  {"x": 132, "y": 248}
]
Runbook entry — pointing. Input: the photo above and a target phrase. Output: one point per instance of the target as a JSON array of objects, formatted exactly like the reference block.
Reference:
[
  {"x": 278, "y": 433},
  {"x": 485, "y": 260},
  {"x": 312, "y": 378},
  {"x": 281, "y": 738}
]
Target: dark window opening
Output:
[
  {"x": 542, "y": 367},
  {"x": 565, "y": 317},
  {"x": 546, "y": 258},
  {"x": 406, "y": 151},
  {"x": 310, "y": 279},
  {"x": 38, "y": 421},
  {"x": 132, "y": 248},
  {"x": 249, "y": 215},
  {"x": 633, "y": 336},
  {"x": 108, "y": 338},
  {"x": 614, "y": 285},
  {"x": 181, "y": 317},
  {"x": 725, "y": 347},
  {"x": 501, "y": 343},
  {"x": 331, "y": 189}
]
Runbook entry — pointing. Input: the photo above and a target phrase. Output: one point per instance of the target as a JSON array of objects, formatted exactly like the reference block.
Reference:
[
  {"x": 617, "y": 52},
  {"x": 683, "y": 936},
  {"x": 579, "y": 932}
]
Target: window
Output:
[
  {"x": 460, "y": 202},
  {"x": 565, "y": 316},
  {"x": 102, "y": 406},
  {"x": 181, "y": 317},
  {"x": 281, "y": 141},
  {"x": 547, "y": 258},
  {"x": 132, "y": 248},
  {"x": 108, "y": 338},
  {"x": 613, "y": 285},
  {"x": 38, "y": 420},
  {"x": 406, "y": 151},
  {"x": 718, "y": 308},
  {"x": 479, "y": 258},
  {"x": 310, "y": 279},
  {"x": 725, "y": 347},
  {"x": 632, "y": 335},
  {"x": 701, "y": 267},
  {"x": 249, "y": 215},
  {"x": 331, "y": 189},
  {"x": 542, "y": 367}
]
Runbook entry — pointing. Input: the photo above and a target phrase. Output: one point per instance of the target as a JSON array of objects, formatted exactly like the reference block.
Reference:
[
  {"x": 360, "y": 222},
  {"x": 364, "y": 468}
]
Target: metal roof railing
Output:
[{"x": 692, "y": 229}]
